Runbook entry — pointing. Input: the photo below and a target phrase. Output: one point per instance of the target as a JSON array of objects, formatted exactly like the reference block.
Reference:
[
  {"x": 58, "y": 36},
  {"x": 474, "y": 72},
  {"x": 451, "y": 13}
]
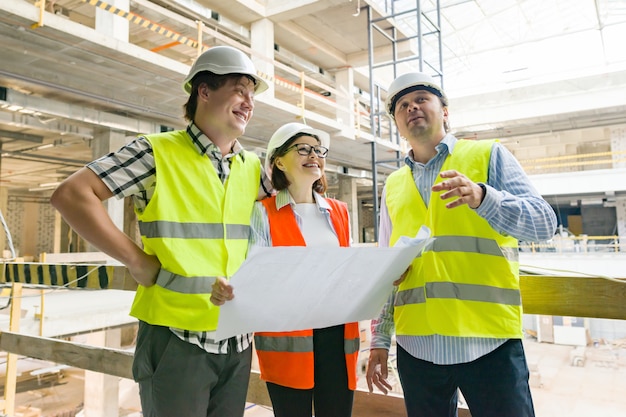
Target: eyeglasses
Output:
[{"x": 305, "y": 149}]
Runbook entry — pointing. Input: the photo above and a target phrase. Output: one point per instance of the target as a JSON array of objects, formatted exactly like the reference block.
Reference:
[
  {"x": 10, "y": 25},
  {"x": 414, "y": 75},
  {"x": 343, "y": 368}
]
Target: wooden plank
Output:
[
  {"x": 573, "y": 296},
  {"x": 257, "y": 390},
  {"x": 10, "y": 382},
  {"x": 365, "y": 404},
  {"x": 93, "y": 358},
  {"x": 547, "y": 295},
  {"x": 119, "y": 363},
  {"x": 376, "y": 404},
  {"x": 78, "y": 257}
]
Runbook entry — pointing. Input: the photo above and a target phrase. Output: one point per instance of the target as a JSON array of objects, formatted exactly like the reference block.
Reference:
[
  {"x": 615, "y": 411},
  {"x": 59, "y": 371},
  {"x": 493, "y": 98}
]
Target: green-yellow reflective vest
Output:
[
  {"x": 197, "y": 227},
  {"x": 466, "y": 283}
]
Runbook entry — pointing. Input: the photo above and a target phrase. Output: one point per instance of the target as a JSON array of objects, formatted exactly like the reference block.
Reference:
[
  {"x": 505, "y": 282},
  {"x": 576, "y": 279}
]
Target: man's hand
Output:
[
  {"x": 222, "y": 291},
  {"x": 458, "y": 185},
  {"x": 377, "y": 370},
  {"x": 403, "y": 276},
  {"x": 146, "y": 271}
]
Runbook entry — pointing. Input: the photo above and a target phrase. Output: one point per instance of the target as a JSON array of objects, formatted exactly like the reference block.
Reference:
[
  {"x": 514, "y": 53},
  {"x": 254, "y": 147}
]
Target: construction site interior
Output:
[{"x": 80, "y": 78}]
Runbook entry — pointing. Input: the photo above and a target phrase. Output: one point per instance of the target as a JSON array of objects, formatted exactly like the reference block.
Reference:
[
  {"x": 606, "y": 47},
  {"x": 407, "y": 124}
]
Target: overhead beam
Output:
[
  {"x": 318, "y": 43},
  {"x": 79, "y": 113},
  {"x": 283, "y": 10},
  {"x": 54, "y": 127},
  {"x": 382, "y": 54},
  {"x": 21, "y": 136}
]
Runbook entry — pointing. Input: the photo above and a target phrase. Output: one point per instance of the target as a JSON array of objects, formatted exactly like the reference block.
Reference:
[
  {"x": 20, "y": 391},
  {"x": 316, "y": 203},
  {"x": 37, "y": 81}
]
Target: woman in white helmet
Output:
[
  {"x": 177, "y": 179},
  {"x": 315, "y": 366}
]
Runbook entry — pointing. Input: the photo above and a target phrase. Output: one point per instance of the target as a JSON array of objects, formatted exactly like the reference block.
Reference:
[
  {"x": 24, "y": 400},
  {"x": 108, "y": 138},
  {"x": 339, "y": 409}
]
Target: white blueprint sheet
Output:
[{"x": 295, "y": 288}]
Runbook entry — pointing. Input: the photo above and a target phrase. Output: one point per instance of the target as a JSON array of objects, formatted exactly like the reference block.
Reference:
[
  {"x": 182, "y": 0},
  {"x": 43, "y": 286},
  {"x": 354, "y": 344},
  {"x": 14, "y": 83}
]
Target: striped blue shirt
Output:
[{"x": 512, "y": 206}]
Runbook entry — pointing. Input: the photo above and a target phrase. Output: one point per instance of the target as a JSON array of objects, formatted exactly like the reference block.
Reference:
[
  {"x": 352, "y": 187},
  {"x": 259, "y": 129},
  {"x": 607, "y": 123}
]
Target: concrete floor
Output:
[{"x": 559, "y": 389}]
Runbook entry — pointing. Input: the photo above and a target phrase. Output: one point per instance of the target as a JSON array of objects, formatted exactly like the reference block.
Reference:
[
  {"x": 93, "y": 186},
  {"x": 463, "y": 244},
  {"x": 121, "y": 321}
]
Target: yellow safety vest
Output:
[
  {"x": 197, "y": 227},
  {"x": 466, "y": 283}
]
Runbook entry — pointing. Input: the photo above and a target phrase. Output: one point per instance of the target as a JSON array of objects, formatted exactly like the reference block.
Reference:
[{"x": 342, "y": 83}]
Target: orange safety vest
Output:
[{"x": 286, "y": 358}]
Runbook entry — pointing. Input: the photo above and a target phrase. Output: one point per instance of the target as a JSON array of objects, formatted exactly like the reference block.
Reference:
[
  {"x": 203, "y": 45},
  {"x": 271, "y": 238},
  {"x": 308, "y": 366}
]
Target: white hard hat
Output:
[
  {"x": 288, "y": 131},
  {"x": 410, "y": 82},
  {"x": 223, "y": 60}
]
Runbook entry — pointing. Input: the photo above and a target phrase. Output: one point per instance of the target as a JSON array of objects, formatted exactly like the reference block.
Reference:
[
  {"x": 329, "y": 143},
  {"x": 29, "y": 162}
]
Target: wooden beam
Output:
[
  {"x": 10, "y": 381},
  {"x": 548, "y": 295},
  {"x": 119, "y": 363},
  {"x": 93, "y": 358},
  {"x": 573, "y": 296},
  {"x": 376, "y": 404}
]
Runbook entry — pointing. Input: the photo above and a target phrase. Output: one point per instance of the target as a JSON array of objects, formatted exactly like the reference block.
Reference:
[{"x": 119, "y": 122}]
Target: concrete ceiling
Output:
[{"x": 64, "y": 83}]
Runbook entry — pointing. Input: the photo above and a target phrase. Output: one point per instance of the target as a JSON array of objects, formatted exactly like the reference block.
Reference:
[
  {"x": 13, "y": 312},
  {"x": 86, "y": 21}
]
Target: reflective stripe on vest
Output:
[
  {"x": 471, "y": 244},
  {"x": 194, "y": 230},
  {"x": 186, "y": 285},
  {"x": 285, "y": 344},
  {"x": 467, "y": 292},
  {"x": 351, "y": 346},
  {"x": 286, "y": 358},
  {"x": 197, "y": 226},
  {"x": 466, "y": 282},
  {"x": 299, "y": 344}
]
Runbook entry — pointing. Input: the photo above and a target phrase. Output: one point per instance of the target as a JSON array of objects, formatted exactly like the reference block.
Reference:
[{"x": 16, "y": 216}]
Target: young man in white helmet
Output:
[
  {"x": 457, "y": 314},
  {"x": 193, "y": 191}
]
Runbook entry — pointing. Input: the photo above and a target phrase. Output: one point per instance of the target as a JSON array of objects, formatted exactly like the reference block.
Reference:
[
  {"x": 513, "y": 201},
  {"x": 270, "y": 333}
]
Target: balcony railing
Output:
[
  {"x": 545, "y": 295},
  {"x": 576, "y": 244}
]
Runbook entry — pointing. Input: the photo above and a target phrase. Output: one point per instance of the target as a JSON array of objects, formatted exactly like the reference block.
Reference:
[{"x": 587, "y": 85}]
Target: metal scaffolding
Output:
[{"x": 404, "y": 23}]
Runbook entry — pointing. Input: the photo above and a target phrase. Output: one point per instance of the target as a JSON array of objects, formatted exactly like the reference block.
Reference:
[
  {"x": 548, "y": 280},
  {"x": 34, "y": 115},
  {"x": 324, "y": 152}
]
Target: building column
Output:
[
  {"x": 101, "y": 390},
  {"x": 618, "y": 143},
  {"x": 262, "y": 44},
  {"x": 109, "y": 24},
  {"x": 346, "y": 105},
  {"x": 347, "y": 193},
  {"x": 105, "y": 141},
  {"x": 4, "y": 209}
]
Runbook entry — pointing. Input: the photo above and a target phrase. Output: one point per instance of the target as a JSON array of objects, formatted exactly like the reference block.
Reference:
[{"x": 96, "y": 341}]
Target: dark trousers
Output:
[
  {"x": 178, "y": 379},
  {"x": 330, "y": 396},
  {"x": 495, "y": 385}
]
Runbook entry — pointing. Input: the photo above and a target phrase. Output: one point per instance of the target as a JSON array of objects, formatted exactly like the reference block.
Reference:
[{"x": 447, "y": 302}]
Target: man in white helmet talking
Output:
[
  {"x": 193, "y": 192},
  {"x": 458, "y": 313}
]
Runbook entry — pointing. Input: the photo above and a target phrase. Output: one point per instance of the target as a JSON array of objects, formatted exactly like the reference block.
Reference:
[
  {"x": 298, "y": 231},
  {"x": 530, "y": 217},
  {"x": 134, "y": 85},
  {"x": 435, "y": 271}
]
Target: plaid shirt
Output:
[{"x": 131, "y": 172}]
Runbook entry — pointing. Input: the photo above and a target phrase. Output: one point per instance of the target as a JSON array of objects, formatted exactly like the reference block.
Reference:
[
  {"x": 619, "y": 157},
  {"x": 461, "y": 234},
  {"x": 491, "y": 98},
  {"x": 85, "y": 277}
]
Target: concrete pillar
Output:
[
  {"x": 101, "y": 390},
  {"x": 347, "y": 193},
  {"x": 262, "y": 44},
  {"x": 105, "y": 141},
  {"x": 620, "y": 211},
  {"x": 618, "y": 143},
  {"x": 112, "y": 25},
  {"x": 29, "y": 229},
  {"x": 346, "y": 105},
  {"x": 4, "y": 208}
]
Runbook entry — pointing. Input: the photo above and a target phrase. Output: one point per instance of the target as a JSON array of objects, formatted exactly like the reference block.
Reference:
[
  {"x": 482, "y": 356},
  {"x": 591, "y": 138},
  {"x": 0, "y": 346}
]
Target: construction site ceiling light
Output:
[
  {"x": 11, "y": 107},
  {"x": 29, "y": 111}
]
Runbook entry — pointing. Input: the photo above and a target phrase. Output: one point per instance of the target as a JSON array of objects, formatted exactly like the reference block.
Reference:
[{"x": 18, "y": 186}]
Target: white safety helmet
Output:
[
  {"x": 288, "y": 131},
  {"x": 410, "y": 82},
  {"x": 223, "y": 60}
]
